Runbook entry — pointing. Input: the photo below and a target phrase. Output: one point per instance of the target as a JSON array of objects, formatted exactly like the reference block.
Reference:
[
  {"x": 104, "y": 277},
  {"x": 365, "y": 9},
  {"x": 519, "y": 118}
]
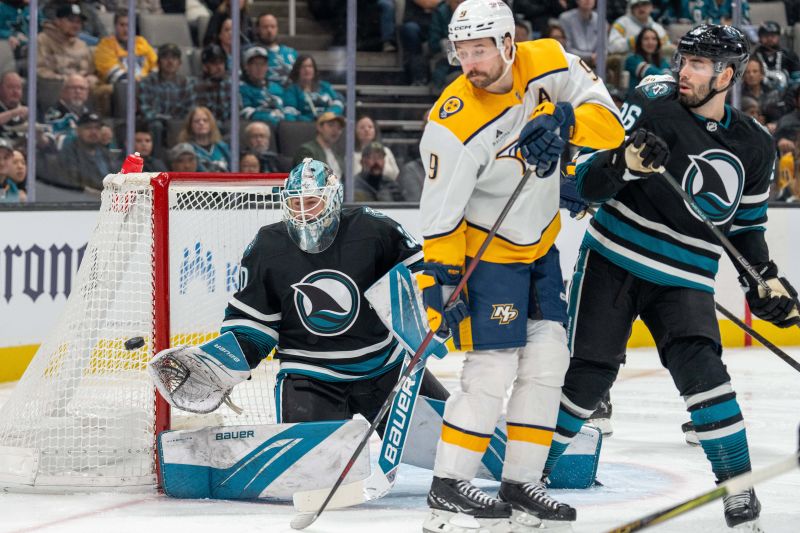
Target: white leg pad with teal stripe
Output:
[
  {"x": 260, "y": 461},
  {"x": 576, "y": 469}
]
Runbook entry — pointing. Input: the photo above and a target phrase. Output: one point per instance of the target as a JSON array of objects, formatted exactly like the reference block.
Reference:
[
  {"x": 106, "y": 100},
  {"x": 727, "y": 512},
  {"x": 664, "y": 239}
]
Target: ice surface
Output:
[{"x": 645, "y": 466}]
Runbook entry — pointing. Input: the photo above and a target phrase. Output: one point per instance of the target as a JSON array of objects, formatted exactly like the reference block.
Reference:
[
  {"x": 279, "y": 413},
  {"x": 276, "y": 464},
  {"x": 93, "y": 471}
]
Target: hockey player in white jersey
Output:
[{"x": 513, "y": 107}]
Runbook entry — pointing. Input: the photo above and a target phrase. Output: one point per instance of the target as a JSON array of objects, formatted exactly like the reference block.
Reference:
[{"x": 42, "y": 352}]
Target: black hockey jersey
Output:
[
  {"x": 311, "y": 307},
  {"x": 645, "y": 227}
]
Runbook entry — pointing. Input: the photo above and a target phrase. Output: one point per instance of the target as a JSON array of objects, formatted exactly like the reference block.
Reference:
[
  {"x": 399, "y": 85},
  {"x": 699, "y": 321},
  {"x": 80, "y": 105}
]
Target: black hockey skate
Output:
[
  {"x": 533, "y": 507},
  {"x": 742, "y": 511},
  {"x": 690, "y": 434},
  {"x": 458, "y": 506},
  {"x": 601, "y": 418}
]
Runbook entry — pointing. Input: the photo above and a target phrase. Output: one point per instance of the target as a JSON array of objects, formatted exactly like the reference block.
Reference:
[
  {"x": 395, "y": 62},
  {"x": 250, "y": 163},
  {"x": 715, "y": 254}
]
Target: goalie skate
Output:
[
  {"x": 690, "y": 434},
  {"x": 533, "y": 509},
  {"x": 742, "y": 511},
  {"x": 601, "y": 418},
  {"x": 458, "y": 506}
]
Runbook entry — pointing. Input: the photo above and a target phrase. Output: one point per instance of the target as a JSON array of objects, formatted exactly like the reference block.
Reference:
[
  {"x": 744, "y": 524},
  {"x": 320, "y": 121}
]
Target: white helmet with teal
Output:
[
  {"x": 312, "y": 205},
  {"x": 476, "y": 19}
]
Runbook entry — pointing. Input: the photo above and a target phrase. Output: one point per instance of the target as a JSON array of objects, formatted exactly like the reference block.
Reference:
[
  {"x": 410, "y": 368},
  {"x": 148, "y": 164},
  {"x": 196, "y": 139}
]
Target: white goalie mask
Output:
[
  {"x": 476, "y": 19},
  {"x": 312, "y": 205}
]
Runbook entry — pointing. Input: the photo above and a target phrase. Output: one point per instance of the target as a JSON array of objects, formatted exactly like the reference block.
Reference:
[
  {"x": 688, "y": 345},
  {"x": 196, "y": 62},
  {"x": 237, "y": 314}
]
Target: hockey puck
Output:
[{"x": 134, "y": 343}]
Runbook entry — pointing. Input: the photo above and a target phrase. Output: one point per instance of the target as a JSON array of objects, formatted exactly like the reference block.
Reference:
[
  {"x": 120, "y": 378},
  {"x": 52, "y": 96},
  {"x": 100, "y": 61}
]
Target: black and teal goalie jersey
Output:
[
  {"x": 311, "y": 307},
  {"x": 645, "y": 227}
]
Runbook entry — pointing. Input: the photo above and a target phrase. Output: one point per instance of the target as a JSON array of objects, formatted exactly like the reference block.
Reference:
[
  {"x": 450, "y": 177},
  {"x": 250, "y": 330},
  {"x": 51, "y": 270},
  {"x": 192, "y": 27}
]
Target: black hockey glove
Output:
[
  {"x": 642, "y": 153},
  {"x": 779, "y": 306}
]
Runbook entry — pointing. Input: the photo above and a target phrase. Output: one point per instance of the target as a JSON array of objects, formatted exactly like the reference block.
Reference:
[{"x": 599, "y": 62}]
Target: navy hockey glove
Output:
[
  {"x": 778, "y": 307},
  {"x": 544, "y": 137},
  {"x": 642, "y": 153},
  {"x": 570, "y": 199},
  {"x": 437, "y": 282}
]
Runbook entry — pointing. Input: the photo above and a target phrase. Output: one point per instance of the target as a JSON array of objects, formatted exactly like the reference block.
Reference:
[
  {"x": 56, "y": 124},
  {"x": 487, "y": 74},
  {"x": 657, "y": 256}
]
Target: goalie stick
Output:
[
  {"x": 726, "y": 488},
  {"x": 303, "y": 520}
]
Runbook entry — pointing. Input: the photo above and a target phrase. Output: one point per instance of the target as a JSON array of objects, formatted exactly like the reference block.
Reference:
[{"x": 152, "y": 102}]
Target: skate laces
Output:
[
  {"x": 538, "y": 493},
  {"x": 736, "y": 501},
  {"x": 474, "y": 493}
]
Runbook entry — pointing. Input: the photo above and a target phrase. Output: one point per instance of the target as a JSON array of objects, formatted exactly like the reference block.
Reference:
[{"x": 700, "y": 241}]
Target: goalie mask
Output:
[{"x": 312, "y": 205}]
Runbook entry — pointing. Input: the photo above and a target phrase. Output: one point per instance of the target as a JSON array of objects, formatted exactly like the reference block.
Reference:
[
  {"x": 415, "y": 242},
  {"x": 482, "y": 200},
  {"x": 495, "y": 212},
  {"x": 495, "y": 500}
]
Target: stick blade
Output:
[
  {"x": 303, "y": 520},
  {"x": 348, "y": 494}
]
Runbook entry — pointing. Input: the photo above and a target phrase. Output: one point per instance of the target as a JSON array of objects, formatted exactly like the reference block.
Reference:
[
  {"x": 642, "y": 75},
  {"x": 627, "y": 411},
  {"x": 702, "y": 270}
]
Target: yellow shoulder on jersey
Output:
[
  {"x": 539, "y": 58},
  {"x": 460, "y": 110}
]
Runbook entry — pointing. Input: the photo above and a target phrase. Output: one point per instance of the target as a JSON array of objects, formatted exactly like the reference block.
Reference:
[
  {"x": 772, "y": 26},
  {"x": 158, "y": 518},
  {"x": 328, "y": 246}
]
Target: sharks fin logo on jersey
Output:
[
  {"x": 327, "y": 302},
  {"x": 715, "y": 180}
]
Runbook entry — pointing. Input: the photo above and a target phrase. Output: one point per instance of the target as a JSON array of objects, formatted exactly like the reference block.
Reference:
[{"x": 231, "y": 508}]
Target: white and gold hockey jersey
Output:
[{"x": 470, "y": 149}]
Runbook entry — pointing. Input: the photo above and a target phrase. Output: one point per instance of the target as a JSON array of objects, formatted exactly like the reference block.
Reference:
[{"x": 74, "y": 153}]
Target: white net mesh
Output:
[{"x": 82, "y": 416}]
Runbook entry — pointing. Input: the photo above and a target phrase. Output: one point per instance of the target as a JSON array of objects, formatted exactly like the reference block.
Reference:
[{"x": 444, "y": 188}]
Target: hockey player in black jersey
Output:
[{"x": 647, "y": 254}]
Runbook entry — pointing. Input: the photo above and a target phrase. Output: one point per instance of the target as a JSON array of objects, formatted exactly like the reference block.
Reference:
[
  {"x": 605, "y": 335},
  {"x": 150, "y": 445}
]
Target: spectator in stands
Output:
[
  {"x": 522, "y": 30},
  {"x": 63, "y": 117},
  {"x": 786, "y": 187},
  {"x": 223, "y": 12},
  {"x": 107, "y": 138},
  {"x": 372, "y": 184},
  {"x": 249, "y": 163},
  {"x": 386, "y": 8},
  {"x": 280, "y": 57},
  {"x": 539, "y": 13},
  {"x": 580, "y": 25},
  {"x": 15, "y": 25},
  {"x": 143, "y": 143},
  {"x": 308, "y": 97},
  {"x": 770, "y": 103},
  {"x": 788, "y": 127},
  {"x": 414, "y": 32},
  {"x": 19, "y": 174},
  {"x": 622, "y": 37},
  {"x": 182, "y": 158},
  {"x": 111, "y": 54},
  {"x": 443, "y": 71},
  {"x": 9, "y": 192},
  {"x": 646, "y": 58},
  {"x": 321, "y": 148},
  {"x": 257, "y": 138},
  {"x": 83, "y": 162},
  {"x": 201, "y": 131},
  {"x": 92, "y": 28},
  {"x": 712, "y": 11},
  {"x": 367, "y": 132},
  {"x": 165, "y": 95},
  {"x": 555, "y": 31},
  {"x": 60, "y": 51},
  {"x": 750, "y": 107},
  {"x": 261, "y": 99},
  {"x": 13, "y": 115},
  {"x": 213, "y": 89},
  {"x": 224, "y": 39},
  {"x": 781, "y": 66}
]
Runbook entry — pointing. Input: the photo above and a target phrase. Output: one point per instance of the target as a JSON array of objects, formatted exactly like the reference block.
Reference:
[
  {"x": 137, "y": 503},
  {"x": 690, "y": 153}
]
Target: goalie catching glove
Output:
[
  {"x": 437, "y": 283},
  {"x": 199, "y": 378},
  {"x": 780, "y": 305}
]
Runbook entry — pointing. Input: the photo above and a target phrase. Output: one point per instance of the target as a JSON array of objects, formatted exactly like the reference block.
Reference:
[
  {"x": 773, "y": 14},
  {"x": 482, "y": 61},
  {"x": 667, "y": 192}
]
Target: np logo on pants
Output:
[{"x": 504, "y": 313}]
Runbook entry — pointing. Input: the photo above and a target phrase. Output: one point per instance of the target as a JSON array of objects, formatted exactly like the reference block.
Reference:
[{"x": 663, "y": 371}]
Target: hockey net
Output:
[{"x": 161, "y": 264}]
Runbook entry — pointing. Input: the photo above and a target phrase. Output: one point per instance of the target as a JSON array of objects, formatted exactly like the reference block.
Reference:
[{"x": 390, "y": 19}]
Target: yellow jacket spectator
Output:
[{"x": 111, "y": 54}]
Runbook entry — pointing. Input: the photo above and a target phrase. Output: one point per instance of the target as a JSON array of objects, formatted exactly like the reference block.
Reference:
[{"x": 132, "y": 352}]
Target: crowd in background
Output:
[{"x": 183, "y": 121}]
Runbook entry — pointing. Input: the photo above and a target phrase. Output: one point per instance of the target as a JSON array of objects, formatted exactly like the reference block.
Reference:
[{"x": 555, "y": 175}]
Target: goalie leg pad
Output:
[{"x": 260, "y": 461}]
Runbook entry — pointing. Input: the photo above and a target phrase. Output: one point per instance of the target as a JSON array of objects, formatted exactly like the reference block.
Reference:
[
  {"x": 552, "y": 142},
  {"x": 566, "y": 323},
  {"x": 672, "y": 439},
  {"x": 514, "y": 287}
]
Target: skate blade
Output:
[
  {"x": 754, "y": 526},
  {"x": 527, "y": 523},
  {"x": 447, "y": 522},
  {"x": 602, "y": 424}
]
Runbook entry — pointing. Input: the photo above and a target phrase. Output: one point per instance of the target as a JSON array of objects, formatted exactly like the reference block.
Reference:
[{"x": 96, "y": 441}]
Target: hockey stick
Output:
[
  {"x": 380, "y": 482},
  {"x": 731, "y": 486},
  {"x": 303, "y": 520},
  {"x": 760, "y": 338}
]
